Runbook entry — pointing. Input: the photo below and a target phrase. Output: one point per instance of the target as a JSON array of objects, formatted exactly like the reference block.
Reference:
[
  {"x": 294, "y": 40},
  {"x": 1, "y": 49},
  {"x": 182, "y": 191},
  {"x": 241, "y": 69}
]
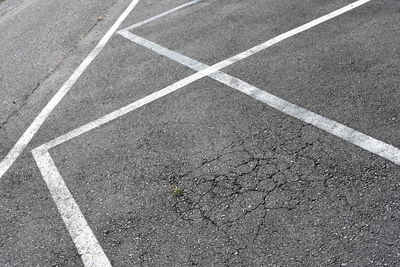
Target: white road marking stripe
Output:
[
  {"x": 124, "y": 110},
  {"x": 288, "y": 34},
  {"x": 27, "y": 136},
  {"x": 352, "y": 136},
  {"x": 346, "y": 133},
  {"x": 184, "y": 60},
  {"x": 203, "y": 70},
  {"x": 159, "y": 15},
  {"x": 63, "y": 197},
  {"x": 88, "y": 247}
]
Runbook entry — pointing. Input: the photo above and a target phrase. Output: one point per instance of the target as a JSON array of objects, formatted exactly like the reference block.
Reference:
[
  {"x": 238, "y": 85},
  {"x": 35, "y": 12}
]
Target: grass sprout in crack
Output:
[{"x": 177, "y": 191}]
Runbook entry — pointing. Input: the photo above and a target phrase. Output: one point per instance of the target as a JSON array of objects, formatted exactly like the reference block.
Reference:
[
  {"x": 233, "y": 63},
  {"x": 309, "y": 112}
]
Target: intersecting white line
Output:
[
  {"x": 77, "y": 224},
  {"x": 160, "y": 15},
  {"x": 203, "y": 70},
  {"x": 346, "y": 133}
]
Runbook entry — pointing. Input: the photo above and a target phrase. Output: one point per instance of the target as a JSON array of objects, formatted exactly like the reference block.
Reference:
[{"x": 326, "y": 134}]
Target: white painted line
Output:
[
  {"x": 203, "y": 70},
  {"x": 184, "y": 60},
  {"x": 91, "y": 252},
  {"x": 124, "y": 110},
  {"x": 160, "y": 15},
  {"x": 288, "y": 34},
  {"x": 348, "y": 134},
  {"x": 27, "y": 136},
  {"x": 271, "y": 42},
  {"x": 88, "y": 247}
]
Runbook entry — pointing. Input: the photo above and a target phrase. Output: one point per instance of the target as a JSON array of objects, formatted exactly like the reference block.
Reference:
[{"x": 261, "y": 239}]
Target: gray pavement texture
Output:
[{"x": 205, "y": 176}]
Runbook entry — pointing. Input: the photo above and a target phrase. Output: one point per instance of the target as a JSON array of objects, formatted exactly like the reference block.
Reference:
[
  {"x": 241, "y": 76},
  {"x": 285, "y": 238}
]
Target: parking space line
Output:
[
  {"x": 346, "y": 133},
  {"x": 160, "y": 15},
  {"x": 337, "y": 129},
  {"x": 203, "y": 71},
  {"x": 288, "y": 34},
  {"x": 277, "y": 39},
  {"x": 124, "y": 110},
  {"x": 85, "y": 241},
  {"x": 182, "y": 59},
  {"x": 27, "y": 136},
  {"x": 63, "y": 198}
]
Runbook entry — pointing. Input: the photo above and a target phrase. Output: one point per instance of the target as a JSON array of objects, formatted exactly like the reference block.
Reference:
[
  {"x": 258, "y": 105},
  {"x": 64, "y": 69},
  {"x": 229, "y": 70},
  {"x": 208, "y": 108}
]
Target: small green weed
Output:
[{"x": 177, "y": 191}]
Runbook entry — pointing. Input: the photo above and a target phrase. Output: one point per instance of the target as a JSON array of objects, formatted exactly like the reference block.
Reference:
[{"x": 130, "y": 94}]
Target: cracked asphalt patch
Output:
[
  {"x": 206, "y": 175},
  {"x": 258, "y": 187}
]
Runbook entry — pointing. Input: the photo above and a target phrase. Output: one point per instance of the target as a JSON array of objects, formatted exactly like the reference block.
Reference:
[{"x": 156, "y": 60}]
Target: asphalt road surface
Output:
[{"x": 283, "y": 153}]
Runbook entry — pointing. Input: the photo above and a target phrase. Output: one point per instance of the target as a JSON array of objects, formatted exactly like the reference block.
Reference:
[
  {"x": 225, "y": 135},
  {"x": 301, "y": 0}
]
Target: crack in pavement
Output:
[{"x": 257, "y": 198}]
